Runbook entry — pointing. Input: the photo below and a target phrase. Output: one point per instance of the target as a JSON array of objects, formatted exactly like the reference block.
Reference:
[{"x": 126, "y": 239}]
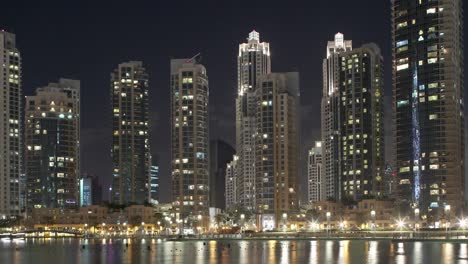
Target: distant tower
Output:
[
  {"x": 86, "y": 191},
  {"x": 253, "y": 61},
  {"x": 52, "y": 146},
  {"x": 276, "y": 147},
  {"x": 231, "y": 184},
  {"x": 428, "y": 90},
  {"x": 11, "y": 145},
  {"x": 220, "y": 155},
  {"x": 130, "y": 137},
  {"x": 315, "y": 174},
  {"x": 154, "y": 183},
  {"x": 190, "y": 142}
]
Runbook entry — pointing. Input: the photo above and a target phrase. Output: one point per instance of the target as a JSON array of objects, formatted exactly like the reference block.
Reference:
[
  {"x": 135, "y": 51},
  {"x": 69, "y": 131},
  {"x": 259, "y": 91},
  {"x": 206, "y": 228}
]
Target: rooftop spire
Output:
[
  {"x": 339, "y": 40},
  {"x": 254, "y": 35}
]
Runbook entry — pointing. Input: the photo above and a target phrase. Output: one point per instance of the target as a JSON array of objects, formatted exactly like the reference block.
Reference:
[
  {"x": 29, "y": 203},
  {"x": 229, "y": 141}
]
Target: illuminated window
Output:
[
  {"x": 402, "y": 25},
  {"x": 402, "y": 67},
  {"x": 402, "y": 103},
  {"x": 405, "y": 181},
  {"x": 402, "y": 43},
  {"x": 431, "y": 11},
  {"x": 401, "y": 49},
  {"x": 404, "y": 169},
  {"x": 432, "y": 60},
  {"x": 433, "y": 98},
  {"x": 433, "y": 116},
  {"x": 187, "y": 80}
]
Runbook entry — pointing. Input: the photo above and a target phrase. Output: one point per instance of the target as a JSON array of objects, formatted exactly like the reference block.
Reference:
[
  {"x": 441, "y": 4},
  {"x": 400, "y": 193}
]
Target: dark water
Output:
[{"x": 261, "y": 251}]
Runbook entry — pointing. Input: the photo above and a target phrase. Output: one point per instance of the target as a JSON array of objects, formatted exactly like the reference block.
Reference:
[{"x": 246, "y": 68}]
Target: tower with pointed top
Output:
[
  {"x": 253, "y": 61},
  {"x": 330, "y": 116}
]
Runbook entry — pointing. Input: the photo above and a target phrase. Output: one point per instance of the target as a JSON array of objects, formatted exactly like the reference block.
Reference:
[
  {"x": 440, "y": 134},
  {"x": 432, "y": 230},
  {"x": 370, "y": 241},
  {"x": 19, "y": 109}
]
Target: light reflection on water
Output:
[{"x": 225, "y": 251}]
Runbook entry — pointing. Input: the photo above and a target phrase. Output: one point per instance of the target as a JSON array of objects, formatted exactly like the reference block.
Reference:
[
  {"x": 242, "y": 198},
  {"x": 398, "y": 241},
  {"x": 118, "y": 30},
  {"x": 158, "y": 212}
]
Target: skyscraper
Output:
[
  {"x": 428, "y": 102},
  {"x": 52, "y": 145},
  {"x": 10, "y": 125},
  {"x": 352, "y": 121},
  {"x": 253, "y": 61},
  {"x": 315, "y": 174},
  {"x": 231, "y": 184},
  {"x": 330, "y": 115},
  {"x": 130, "y": 141},
  {"x": 361, "y": 134},
  {"x": 220, "y": 155},
  {"x": 190, "y": 142},
  {"x": 276, "y": 146}
]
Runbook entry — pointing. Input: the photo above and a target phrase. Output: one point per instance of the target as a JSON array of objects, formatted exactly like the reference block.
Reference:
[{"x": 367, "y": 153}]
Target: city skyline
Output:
[{"x": 311, "y": 88}]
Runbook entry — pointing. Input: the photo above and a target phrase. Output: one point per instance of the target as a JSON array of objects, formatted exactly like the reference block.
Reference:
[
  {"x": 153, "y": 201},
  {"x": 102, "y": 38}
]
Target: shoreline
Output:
[{"x": 164, "y": 239}]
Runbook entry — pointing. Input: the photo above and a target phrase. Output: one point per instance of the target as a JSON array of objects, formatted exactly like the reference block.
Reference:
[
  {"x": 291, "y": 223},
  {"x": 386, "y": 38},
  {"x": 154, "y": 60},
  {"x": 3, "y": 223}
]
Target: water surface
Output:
[{"x": 234, "y": 251}]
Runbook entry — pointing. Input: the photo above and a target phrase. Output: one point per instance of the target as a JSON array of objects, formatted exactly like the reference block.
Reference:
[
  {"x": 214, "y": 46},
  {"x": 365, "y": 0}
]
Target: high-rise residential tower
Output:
[
  {"x": 428, "y": 103},
  {"x": 52, "y": 146},
  {"x": 361, "y": 134},
  {"x": 253, "y": 61},
  {"x": 130, "y": 137},
  {"x": 10, "y": 125},
  {"x": 330, "y": 115},
  {"x": 190, "y": 141},
  {"x": 277, "y": 147},
  {"x": 315, "y": 174}
]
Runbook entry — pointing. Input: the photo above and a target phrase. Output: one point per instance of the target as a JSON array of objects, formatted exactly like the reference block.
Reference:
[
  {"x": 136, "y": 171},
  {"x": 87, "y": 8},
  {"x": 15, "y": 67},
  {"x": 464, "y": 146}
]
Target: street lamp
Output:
[
  {"x": 447, "y": 214},
  {"x": 400, "y": 224},
  {"x": 373, "y": 219},
  {"x": 328, "y": 222},
  {"x": 103, "y": 228},
  {"x": 242, "y": 217},
  {"x": 416, "y": 218},
  {"x": 199, "y": 227},
  {"x": 462, "y": 223},
  {"x": 285, "y": 216},
  {"x": 342, "y": 225}
]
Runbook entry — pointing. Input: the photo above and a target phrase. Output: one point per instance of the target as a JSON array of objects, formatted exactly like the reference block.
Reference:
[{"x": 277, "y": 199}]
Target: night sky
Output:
[{"x": 87, "y": 39}]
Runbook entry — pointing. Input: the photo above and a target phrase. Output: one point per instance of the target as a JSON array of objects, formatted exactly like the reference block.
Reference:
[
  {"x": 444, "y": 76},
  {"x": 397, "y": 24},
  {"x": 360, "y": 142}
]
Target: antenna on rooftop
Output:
[{"x": 194, "y": 58}]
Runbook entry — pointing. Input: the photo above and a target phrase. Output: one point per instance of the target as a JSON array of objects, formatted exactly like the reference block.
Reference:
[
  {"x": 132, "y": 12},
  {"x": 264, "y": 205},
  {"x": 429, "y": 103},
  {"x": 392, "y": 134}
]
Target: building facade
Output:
[
  {"x": 315, "y": 174},
  {"x": 253, "y": 61},
  {"x": 361, "y": 131},
  {"x": 190, "y": 141},
  {"x": 52, "y": 146},
  {"x": 130, "y": 137},
  {"x": 231, "y": 184},
  {"x": 428, "y": 103},
  {"x": 10, "y": 126},
  {"x": 330, "y": 115},
  {"x": 276, "y": 146}
]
